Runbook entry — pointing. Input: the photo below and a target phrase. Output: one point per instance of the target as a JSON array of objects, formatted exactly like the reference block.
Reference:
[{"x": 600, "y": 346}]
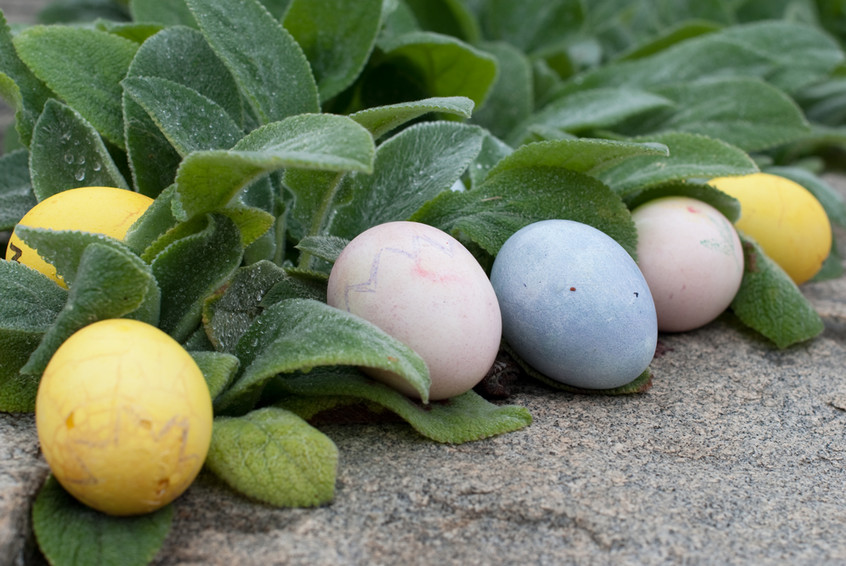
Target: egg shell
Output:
[
  {"x": 574, "y": 305},
  {"x": 785, "y": 218},
  {"x": 124, "y": 417},
  {"x": 692, "y": 258},
  {"x": 102, "y": 210},
  {"x": 421, "y": 286}
]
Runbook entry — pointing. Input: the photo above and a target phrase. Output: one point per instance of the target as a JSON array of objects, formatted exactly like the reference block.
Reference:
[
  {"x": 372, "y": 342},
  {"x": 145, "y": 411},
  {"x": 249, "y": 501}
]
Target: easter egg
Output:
[
  {"x": 421, "y": 286},
  {"x": 786, "y": 220},
  {"x": 692, "y": 258},
  {"x": 123, "y": 416},
  {"x": 574, "y": 305},
  {"x": 102, "y": 210}
]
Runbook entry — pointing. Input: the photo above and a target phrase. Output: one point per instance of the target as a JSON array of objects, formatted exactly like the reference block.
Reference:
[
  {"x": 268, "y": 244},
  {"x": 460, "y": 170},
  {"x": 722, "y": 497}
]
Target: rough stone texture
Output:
[{"x": 735, "y": 456}]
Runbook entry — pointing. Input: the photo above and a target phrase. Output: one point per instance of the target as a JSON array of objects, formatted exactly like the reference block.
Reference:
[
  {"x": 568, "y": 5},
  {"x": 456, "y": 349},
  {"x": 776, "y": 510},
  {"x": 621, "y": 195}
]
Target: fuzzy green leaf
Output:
[
  {"x": 19, "y": 86},
  {"x": 191, "y": 268},
  {"x": 67, "y": 152},
  {"x": 72, "y": 534},
  {"x": 267, "y": 63},
  {"x": 531, "y": 25},
  {"x": 164, "y": 12},
  {"x": 183, "y": 56},
  {"x": 727, "y": 205},
  {"x": 108, "y": 282},
  {"x": 770, "y": 303},
  {"x": 691, "y": 156},
  {"x": 445, "y": 66},
  {"x": 601, "y": 108},
  {"x": 744, "y": 112},
  {"x": 229, "y": 312},
  {"x": 450, "y": 17},
  {"x": 327, "y": 248},
  {"x": 300, "y": 334},
  {"x": 189, "y": 120},
  {"x": 84, "y": 67},
  {"x": 218, "y": 369},
  {"x": 583, "y": 155},
  {"x": 410, "y": 169},
  {"x": 208, "y": 180},
  {"x": 381, "y": 120},
  {"x": 16, "y": 196},
  {"x": 337, "y": 37},
  {"x": 511, "y": 99},
  {"x": 785, "y": 54},
  {"x": 489, "y": 214},
  {"x": 31, "y": 302},
  {"x": 152, "y": 224},
  {"x": 463, "y": 418},
  {"x": 274, "y": 456}
]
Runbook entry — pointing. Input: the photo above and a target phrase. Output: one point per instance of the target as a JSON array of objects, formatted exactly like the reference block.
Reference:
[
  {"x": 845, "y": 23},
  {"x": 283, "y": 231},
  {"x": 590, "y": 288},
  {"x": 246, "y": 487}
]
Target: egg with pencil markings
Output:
[
  {"x": 424, "y": 288},
  {"x": 574, "y": 305}
]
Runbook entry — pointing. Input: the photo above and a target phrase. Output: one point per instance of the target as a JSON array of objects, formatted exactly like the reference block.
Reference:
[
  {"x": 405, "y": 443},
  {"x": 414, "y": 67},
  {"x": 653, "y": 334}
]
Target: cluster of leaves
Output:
[{"x": 272, "y": 133}]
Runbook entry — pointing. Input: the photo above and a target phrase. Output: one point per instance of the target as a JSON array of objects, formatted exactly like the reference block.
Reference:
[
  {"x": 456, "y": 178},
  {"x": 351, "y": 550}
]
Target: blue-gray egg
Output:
[{"x": 575, "y": 306}]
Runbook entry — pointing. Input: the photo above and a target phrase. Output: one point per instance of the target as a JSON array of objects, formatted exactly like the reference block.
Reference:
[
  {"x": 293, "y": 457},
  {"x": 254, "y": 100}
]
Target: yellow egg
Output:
[
  {"x": 124, "y": 417},
  {"x": 784, "y": 218},
  {"x": 102, "y": 210}
]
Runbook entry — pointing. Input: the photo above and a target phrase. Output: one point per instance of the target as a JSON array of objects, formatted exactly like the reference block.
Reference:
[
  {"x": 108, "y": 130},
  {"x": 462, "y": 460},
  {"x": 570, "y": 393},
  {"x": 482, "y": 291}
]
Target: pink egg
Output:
[
  {"x": 421, "y": 286},
  {"x": 692, "y": 259}
]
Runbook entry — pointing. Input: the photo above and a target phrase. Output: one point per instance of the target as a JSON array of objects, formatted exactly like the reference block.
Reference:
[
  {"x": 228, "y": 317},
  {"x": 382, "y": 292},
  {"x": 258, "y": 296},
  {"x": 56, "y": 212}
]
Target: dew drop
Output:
[
  {"x": 80, "y": 175},
  {"x": 97, "y": 166},
  {"x": 69, "y": 158}
]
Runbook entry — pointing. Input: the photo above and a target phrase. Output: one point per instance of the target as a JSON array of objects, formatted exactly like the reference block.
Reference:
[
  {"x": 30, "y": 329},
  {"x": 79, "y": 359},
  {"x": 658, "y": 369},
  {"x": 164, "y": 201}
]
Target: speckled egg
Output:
[
  {"x": 421, "y": 286},
  {"x": 692, "y": 259},
  {"x": 574, "y": 305}
]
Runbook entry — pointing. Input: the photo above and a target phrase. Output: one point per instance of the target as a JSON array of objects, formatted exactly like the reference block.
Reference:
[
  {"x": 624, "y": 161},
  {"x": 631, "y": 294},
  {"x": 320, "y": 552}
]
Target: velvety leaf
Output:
[
  {"x": 590, "y": 110},
  {"x": 300, "y": 334},
  {"x": 727, "y": 205},
  {"x": 192, "y": 268},
  {"x": 489, "y": 214},
  {"x": 108, "y": 283},
  {"x": 770, "y": 303},
  {"x": 449, "y": 17},
  {"x": 84, "y": 67},
  {"x": 381, "y": 120},
  {"x": 327, "y": 248},
  {"x": 218, "y": 369},
  {"x": 164, "y": 12},
  {"x": 67, "y": 152},
  {"x": 137, "y": 32},
  {"x": 230, "y": 311},
  {"x": 667, "y": 37},
  {"x": 208, "y": 180},
  {"x": 511, "y": 99},
  {"x": 446, "y": 66},
  {"x": 189, "y": 120},
  {"x": 531, "y": 24},
  {"x": 152, "y": 224},
  {"x": 16, "y": 196},
  {"x": 181, "y": 55},
  {"x": 31, "y": 302},
  {"x": 691, "y": 156},
  {"x": 274, "y": 456},
  {"x": 583, "y": 155},
  {"x": 19, "y": 86},
  {"x": 73, "y": 534},
  {"x": 494, "y": 150},
  {"x": 410, "y": 169},
  {"x": 788, "y": 55},
  {"x": 463, "y": 418},
  {"x": 337, "y": 37},
  {"x": 269, "y": 67},
  {"x": 747, "y": 113}
]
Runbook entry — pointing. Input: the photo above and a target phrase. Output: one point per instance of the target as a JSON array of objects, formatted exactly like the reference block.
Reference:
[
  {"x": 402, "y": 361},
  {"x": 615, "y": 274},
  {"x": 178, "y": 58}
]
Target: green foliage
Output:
[
  {"x": 71, "y": 533},
  {"x": 271, "y": 133}
]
